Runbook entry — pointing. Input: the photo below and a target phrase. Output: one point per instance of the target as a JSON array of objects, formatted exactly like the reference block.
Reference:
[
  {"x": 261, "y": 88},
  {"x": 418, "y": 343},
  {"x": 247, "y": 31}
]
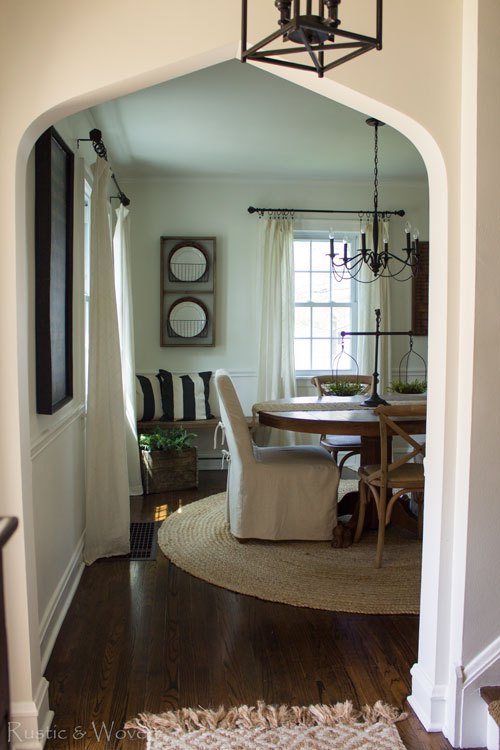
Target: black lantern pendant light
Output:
[
  {"x": 379, "y": 260},
  {"x": 317, "y": 36}
]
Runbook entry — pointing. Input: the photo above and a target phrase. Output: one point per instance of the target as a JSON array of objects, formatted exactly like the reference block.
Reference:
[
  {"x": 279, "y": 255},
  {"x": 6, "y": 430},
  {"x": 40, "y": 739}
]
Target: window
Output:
[{"x": 323, "y": 306}]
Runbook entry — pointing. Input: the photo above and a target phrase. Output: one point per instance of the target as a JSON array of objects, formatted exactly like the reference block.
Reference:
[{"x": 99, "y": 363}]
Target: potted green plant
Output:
[
  {"x": 169, "y": 460},
  {"x": 410, "y": 386},
  {"x": 343, "y": 388}
]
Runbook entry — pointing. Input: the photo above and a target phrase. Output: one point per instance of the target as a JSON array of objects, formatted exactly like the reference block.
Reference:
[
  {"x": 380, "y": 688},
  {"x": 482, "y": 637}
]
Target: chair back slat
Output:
[{"x": 387, "y": 415}]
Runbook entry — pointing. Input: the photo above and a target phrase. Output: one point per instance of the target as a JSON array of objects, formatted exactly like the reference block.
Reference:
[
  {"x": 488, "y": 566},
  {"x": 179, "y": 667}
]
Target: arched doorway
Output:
[{"x": 438, "y": 312}]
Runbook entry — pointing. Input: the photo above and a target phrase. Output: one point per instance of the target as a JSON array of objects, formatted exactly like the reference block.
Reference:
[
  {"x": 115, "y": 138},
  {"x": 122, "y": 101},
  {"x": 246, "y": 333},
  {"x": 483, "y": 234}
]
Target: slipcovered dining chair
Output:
[
  {"x": 274, "y": 493},
  {"x": 401, "y": 474},
  {"x": 350, "y": 445}
]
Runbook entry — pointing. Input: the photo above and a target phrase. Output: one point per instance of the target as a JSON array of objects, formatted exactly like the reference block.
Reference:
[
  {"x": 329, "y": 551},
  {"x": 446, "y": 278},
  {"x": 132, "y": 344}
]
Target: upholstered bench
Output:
[
  {"x": 189, "y": 424},
  {"x": 193, "y": 424}
]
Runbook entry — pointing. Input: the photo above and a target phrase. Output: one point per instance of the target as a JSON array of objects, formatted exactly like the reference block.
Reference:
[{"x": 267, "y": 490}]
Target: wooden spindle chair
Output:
[{"x": 350, "y": 445}]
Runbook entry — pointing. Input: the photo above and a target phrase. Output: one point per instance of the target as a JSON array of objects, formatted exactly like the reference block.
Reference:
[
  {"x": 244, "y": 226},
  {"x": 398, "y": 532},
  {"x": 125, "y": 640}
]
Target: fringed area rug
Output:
[
  {"x": 320, "y": 727},
  {"x": 304, "y": 574}
]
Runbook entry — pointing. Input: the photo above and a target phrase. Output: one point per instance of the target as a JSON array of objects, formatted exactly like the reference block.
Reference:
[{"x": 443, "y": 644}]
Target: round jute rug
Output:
[{"x": 304, "y": 574}]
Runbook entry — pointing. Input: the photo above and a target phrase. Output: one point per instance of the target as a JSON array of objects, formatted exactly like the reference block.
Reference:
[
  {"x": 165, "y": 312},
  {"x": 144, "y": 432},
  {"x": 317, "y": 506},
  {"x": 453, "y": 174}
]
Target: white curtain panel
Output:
[
  {"x": 107, "y": 498},
  {"x": 123, "y": 286},
  {"x": 276, "y": 372},
  {"x": 276, "y": 369},
  {"x": 371, "y": 297}
]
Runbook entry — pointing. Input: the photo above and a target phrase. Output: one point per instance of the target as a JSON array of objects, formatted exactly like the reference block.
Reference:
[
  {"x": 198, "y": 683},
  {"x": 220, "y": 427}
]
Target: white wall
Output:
[
  {"x": 218, "y": 208},
  {"x": 478, "y": 637},
  {"x": 47, "y": 73},
  {"x": 57, "y": 440},
  {"x": 486, "y": 358}
]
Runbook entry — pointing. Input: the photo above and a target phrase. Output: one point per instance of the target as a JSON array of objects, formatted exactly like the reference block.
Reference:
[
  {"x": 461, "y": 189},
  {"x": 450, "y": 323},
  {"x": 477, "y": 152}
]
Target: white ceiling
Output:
[{"x": 235, "y": 120}]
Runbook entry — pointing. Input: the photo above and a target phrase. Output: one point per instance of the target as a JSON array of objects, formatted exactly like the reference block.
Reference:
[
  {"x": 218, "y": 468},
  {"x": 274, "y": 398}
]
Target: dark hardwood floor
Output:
[{"x": 145, "y": 636}]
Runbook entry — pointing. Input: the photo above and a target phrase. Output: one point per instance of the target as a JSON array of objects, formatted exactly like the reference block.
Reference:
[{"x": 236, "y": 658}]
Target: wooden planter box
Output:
[{"x": 163, "y": 471}]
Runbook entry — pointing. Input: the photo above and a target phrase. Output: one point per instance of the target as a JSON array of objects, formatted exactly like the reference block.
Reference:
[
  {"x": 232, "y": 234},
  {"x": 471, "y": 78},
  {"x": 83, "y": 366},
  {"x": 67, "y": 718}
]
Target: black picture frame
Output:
[{"x": 54, "y": 200}]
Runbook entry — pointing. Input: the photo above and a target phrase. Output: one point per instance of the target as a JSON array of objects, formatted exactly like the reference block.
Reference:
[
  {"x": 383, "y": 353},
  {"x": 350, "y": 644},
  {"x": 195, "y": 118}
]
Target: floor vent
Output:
[{"x": 143, "y": 540}]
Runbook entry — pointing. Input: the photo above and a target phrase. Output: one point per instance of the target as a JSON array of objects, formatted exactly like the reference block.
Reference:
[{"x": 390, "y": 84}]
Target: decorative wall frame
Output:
[
  {"x": 53, "y": 272},
  {"x": 420, "y": 293},
  {"x": 187, "y": 295}
]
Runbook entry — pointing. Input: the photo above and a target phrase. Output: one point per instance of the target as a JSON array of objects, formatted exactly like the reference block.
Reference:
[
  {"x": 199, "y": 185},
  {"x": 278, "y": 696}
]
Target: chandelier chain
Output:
[{"x": 375, "y": 171}]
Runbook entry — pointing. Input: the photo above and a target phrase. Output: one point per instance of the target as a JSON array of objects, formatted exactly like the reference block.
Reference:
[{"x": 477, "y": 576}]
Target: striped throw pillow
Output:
[
  {"x": 185, "y": 397},
  {"x": 148, "y": 398}
]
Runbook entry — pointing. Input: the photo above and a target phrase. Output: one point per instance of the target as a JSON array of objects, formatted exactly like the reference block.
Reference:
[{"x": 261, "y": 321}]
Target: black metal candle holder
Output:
[{"x": 374, "y": 398}]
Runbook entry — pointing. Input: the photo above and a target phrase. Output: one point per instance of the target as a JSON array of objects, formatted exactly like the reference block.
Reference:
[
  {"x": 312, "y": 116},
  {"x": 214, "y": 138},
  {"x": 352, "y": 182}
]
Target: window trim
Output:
[{"x": 322, "y": 235}]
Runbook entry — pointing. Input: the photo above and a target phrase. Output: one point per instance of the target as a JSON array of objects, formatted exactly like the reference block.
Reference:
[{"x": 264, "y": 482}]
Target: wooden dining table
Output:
[
  {"x": 337, "y": 415},
  {"x": 346, "y": 416}
]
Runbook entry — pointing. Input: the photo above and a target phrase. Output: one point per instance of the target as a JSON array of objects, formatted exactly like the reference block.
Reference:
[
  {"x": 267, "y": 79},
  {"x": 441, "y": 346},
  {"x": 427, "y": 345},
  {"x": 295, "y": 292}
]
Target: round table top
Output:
[{"x": 358, "y": 421}]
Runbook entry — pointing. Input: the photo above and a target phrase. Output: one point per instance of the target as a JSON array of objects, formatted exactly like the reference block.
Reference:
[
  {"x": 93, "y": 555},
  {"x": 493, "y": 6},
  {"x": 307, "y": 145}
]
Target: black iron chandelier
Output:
[
  {"x": 317, "y": 36},
  {"x": 381, "y": 262}
]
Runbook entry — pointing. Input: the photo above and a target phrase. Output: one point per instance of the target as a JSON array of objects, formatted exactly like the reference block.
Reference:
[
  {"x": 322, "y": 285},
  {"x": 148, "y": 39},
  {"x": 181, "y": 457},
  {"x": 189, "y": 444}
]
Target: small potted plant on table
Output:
[
  {"x": 408, "y": 386},
  {"x": 343, "y": 388},
  {"x": 169, "y": 461}
]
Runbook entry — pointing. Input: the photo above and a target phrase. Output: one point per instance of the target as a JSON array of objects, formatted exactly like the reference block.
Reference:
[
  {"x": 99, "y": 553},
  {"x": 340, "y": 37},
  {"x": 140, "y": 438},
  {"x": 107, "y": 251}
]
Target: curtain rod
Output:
[
  {"x": 291, "y": 211},
  {"x": 95, "y": 136}
]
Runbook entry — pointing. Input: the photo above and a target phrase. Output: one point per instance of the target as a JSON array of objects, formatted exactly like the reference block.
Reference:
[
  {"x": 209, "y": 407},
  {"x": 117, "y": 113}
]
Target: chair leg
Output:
[
  {"x": 381, "y": 526},
  {"x": 333, "y": 452},
  {"x": 420, "y": 520},
  {"x": 345, "y": 458},
  {"x": 361, "y": 511},
  {"x": 390, "y": 505},
  {"x": 341, "y": 463}
]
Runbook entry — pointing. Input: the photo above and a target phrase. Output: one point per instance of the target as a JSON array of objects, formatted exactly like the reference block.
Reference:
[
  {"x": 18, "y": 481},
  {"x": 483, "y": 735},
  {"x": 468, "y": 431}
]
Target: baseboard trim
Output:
[
  {"x": 30, "y": 721},
  {"x": 59, "y": 603},
  {"x": 428, "y": 700},
  {"x": 210, "y": 463}
]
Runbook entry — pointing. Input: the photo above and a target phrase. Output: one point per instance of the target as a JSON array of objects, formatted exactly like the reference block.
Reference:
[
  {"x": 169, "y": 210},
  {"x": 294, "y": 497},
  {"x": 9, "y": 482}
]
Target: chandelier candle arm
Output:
[{"x": 408, "y": 238}]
